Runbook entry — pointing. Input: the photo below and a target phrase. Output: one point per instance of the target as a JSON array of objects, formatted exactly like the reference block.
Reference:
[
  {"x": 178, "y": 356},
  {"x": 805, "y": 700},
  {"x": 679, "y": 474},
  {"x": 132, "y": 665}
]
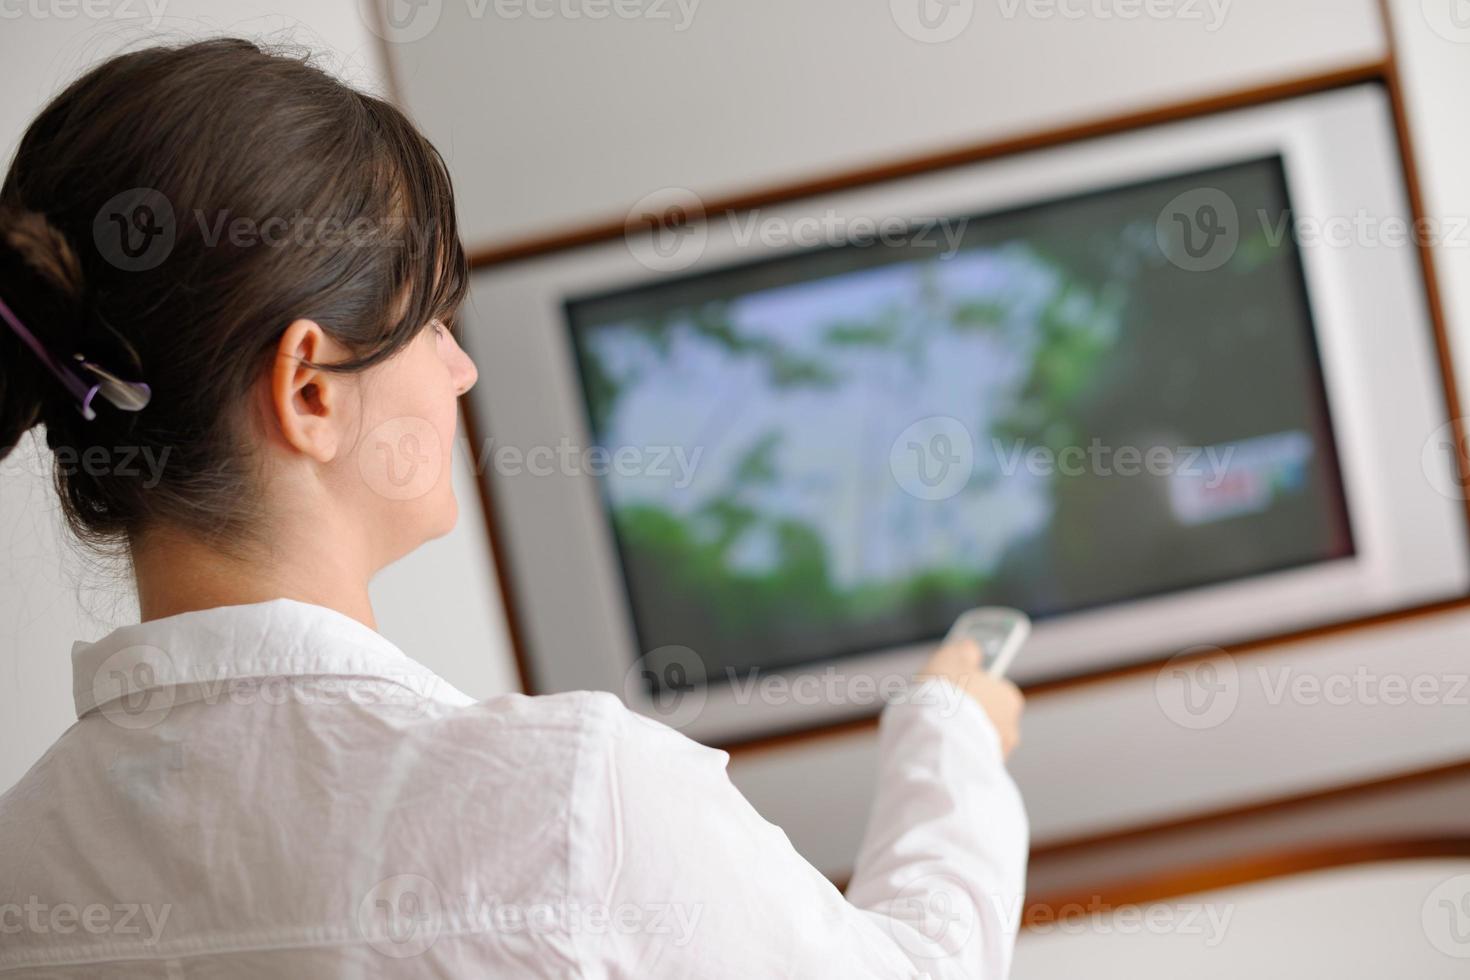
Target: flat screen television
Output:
[{"x": 1140, "y": 387}]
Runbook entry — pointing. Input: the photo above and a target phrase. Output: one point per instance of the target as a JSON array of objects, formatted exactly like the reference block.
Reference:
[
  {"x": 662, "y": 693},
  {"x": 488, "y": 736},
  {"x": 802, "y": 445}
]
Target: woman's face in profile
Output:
[{"x": 403, "y": 460}]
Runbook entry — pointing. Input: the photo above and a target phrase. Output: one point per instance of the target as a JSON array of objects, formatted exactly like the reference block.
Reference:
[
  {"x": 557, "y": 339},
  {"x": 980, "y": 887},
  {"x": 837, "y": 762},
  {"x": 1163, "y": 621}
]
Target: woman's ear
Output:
[{"x": 307, "y": 400}]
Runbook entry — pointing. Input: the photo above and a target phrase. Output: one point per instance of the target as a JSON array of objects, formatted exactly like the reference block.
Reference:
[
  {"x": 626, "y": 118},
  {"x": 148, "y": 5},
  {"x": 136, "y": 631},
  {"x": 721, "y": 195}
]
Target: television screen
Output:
[{"x": 1047, "y": 407}]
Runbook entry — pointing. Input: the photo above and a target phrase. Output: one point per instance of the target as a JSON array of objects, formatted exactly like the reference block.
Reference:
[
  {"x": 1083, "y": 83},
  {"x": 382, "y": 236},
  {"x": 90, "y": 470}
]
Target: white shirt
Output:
[{"x": 276, "y": 790}]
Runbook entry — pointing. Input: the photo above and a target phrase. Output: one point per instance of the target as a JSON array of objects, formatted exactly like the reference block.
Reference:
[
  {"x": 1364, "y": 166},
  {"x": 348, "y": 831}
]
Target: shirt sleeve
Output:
[{"x": 696, "y": 883}]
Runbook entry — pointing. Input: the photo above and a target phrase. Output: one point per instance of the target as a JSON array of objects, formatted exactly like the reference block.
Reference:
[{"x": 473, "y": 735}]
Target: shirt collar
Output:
[{"x": 280, "y": 638}]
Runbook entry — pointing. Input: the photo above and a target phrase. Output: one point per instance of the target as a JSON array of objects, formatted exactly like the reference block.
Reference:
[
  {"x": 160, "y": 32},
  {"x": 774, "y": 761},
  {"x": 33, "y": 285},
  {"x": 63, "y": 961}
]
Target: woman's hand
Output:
[{"x": 959, "y": 662}]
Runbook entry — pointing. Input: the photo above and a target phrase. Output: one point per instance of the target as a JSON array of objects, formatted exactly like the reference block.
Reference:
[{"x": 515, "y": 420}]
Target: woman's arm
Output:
[
  {"x": 944, "y": 858},
  {"x": 696, "y": 883}
]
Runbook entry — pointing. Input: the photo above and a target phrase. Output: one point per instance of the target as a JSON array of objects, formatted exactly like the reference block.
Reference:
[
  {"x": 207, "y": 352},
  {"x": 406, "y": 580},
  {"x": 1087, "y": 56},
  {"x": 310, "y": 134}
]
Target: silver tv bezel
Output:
[{"x": 1375, "y": 339}]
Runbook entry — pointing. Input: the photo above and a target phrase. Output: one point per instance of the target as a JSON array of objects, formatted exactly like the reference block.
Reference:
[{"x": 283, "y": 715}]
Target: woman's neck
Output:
[{"x": 177, "y": 573}]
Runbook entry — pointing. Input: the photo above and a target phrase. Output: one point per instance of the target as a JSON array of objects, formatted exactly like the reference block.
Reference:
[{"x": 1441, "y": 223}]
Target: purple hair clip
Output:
[{"x": 130, "y": 396}]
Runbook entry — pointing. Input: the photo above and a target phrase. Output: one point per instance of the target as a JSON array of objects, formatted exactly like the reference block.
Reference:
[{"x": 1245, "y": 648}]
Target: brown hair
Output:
[{"x": 168, "y": 215}]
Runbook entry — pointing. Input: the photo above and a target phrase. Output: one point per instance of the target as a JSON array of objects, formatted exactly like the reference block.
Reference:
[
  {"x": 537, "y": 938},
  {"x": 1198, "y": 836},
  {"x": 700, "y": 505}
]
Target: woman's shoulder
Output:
[
  {"x": 587, "y": 712},
  {"x": 597, "y": 723}
]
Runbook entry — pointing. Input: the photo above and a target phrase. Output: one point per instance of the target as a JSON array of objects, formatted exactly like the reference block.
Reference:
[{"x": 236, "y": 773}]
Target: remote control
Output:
[{"x": 1000, "y": 631}]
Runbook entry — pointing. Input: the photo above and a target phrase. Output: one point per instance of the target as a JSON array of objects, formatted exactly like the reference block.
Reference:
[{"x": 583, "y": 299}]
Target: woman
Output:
[{"x": 223, "y": 259}]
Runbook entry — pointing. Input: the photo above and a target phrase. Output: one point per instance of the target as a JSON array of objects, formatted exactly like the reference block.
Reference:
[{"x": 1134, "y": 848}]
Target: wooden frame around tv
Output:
[{"x": 1381, "y": 71}]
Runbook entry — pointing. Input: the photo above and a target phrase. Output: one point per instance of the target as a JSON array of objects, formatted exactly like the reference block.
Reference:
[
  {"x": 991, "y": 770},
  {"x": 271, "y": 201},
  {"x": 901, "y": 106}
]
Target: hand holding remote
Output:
[{"x": 960, "y": 662}]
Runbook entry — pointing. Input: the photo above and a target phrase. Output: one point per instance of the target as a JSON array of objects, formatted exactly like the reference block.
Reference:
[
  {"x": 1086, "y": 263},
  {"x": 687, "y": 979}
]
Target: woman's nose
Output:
[{"x": 463, "y": 371}]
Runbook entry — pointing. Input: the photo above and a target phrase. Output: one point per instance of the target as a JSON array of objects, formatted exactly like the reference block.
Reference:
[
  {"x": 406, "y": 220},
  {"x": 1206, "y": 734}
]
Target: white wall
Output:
[
  {"x": 1435, "y": 68},
  {"x": 555, "y": 122},
  {"x": 435, "y": 604},
  {"x": 1362, "y": 922}
]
